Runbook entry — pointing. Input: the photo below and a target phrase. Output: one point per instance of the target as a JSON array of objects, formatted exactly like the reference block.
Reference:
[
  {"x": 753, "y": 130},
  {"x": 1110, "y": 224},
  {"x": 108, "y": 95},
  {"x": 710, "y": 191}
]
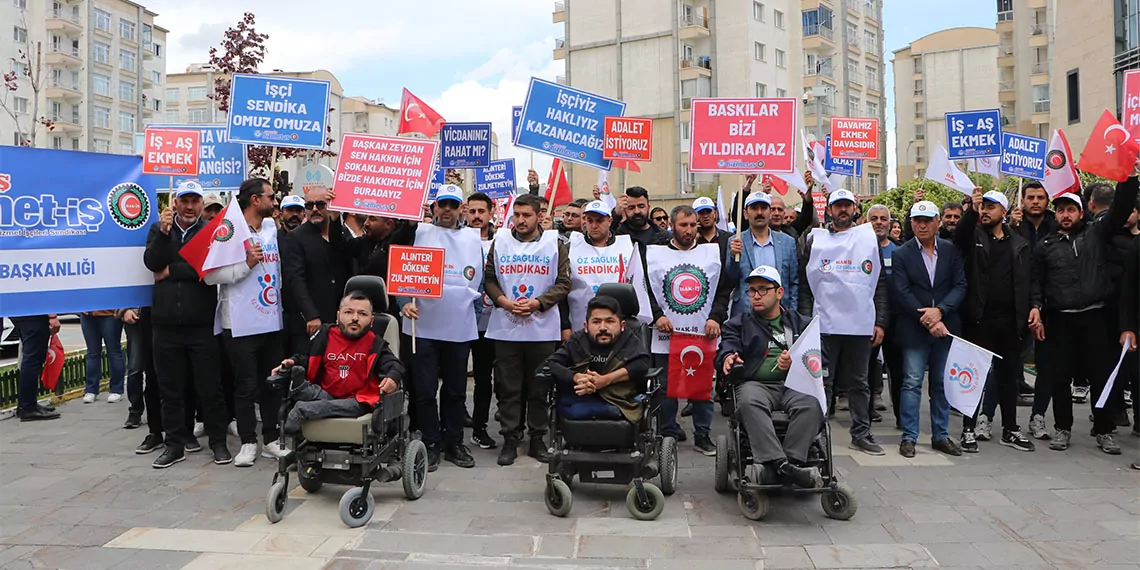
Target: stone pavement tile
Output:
[
  {"x": 1003, "y": 514},
  {"x": 954, "y": 553},
  {"x": 923, "y": 498},
  {"x": 726, "y": 548},
  {"x": 1046, "y": 528},
  {"x": 786, "y": 557},
  {"x": 1007, "y": 553},
  {"x": 544, "y": 525},
  {"x": 1123, "y": 528},
  {"x": 928, "y": 514},
  {"x": 219, "y": 561},
  {"x": 311, "y": 517},
  {"x": 789, "y": 536},
  {"x": 1029, "y": 497},
  {"x": 939, "y": 533},
  {"x": 430, "y": 506},
  {"x": 187, "y": 540},
  {"x": 347, "y": 564},
  {"x": 157, "y": 560},
  {"x": 870, "y": 556},
  {"x": 1075, "y": 553},
  {"x": 77, "y": 558},
  {"x": 613, "y": 526},
  {"x": 505, "y": 545},
  {"x": 425, "y": 523},
  {"x": 625, "y": 547},
  {"x": 289, "y": 544},
  {"x": 518, "y": 563},
  {"x": 658, "y": 564},
  {"x": 9, "y": 554},
  {"x": 161, "y": 518},
  {"x": 11, "y": 528},
  {"x": 557, "y": 546},
  {"x": 64, "y": 535},
  {"x": 1087, "y": 512},
  {"x": 864, "y": 515},
  {"x": 854, "y": 533},
  {"x": 715, "y": 531},
  {"x": 988, "y": 498}
]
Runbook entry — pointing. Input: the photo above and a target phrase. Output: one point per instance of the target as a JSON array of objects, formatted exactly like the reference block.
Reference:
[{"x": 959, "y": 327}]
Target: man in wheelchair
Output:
[
  {"x": 753, "y": 355},
  {"x": 346, "y": 371},
  {"x": 599, "y": 370}
]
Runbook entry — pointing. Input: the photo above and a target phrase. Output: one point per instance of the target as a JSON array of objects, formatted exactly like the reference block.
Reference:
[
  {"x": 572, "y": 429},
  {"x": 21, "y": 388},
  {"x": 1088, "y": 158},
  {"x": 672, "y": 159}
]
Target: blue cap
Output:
[
  {"x": 766, "y": 272},
  {"x": 449, "y": 192},
  {"x": 703, "y": 203},
  {"x": 292, "y": 201},
  {"x": 187, "y": 187},
  {"x": 597, "y": 207},
  {"x": 758, "y": 197}
]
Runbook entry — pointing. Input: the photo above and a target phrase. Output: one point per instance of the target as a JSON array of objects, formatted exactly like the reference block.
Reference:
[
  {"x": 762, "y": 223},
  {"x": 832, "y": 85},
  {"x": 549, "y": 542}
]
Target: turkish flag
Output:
[
  {"x": 417, "y": 117},
  {"x": 558, "y": 193},
  {"x": 223, "y": 241},
  {"x": 53, "y": 366},
  {"x": 626, "y": 165},
  {"x": 778, "y": 184},
  {"x": 1110, "y": 151},
  {"x": 691, "y": 366}
]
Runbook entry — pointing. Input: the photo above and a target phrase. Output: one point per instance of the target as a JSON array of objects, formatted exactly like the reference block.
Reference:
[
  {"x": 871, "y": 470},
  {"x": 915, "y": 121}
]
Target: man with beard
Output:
[
  {"x": 316, "y": 264},
  {"x": 879, "y": 216},
  {"x": 850, "y": 299},
  {"x": 292, "y": 214},
  {"x": 572, "y": 217},
  {"x": 348, "y": 368},
  {"x": 637, "y": 225},
  {"x": 760, "y": 246},
  {"x": 479, "y": 209},
  {"x": 951, "y": 213},
  {"x": 707, "y": 232},
  {"x": 597, "y": 370},
  {"x": 211, "y": 206}
]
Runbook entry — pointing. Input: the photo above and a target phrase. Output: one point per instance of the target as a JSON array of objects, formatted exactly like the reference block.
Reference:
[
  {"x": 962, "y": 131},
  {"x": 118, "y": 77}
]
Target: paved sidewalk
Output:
[{"x": 74, "y": 495}]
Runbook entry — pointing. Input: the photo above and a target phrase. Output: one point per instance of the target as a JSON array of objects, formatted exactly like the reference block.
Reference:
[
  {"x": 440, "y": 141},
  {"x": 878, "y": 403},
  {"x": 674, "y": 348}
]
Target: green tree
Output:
[{"x": 900, "y": 199}]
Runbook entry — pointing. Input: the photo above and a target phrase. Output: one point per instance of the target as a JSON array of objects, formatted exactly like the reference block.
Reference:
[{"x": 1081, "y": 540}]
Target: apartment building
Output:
[
  {"x": 363, "y": 115},
  {"x": 843, "y": 69},
  {"x": 947, "y": 71},
  {"x": 1026, "y": 34},
  {"x": 102, "y": 69}
]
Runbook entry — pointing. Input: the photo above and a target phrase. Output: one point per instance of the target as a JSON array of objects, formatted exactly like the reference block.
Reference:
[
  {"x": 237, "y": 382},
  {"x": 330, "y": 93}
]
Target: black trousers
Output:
[
  {"x": 1079, "y": 341},
  {"x": 185, "y": 357},
  {"x": 253, "y": 357},
  {"x": 483, "y": 362},
  {"x": 515, "y": 378},
  {"x": 436, "y": 360},
  {"x": 143, "y": 391},
  {"x": 1001, "y": 338}
]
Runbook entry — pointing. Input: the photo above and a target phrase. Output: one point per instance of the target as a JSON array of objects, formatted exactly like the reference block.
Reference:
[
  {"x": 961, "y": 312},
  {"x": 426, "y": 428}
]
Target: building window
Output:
[
  {"x": 873, "y": 184},
  {"x": 20, "y": 35},
  {"x": 21, "y": 104},
  {"x": 126, "y": 122},
  {"x": 155, "y": 76},
  {"x": 20, "y": 68},
  {"x": 127, "y": 90},
  {"x": 127, "y": 60},
  {"x": 778, "y": 19},
  {"x": 101, "y": 53},
  {"x": 172, "y": 116},
  {"x": 57, "y": 142},
  {"x": 196, "y": 94},
  {"x": 102, "y": 20},
  {"x": 198, "y": 116},
  {"x": 758, "y": 11},
  {"x": 102, "y": 145},
  {"x": 853, "y": 105},
  {"x": 126, "y": 148},
  {"x": 919, "y": 86},
  {"x": 852, "y": 33},
  {"x": 761, "y": 90},
  {"x": 101, "y": 84},
  {"x": 74, "y": 144},
  {"x": 760, "y": 52},
  {"x": 919, "y": 110},
  {"x": 781, "y": 92},
  {"x": 870, "y": 41},
  {"x": 872, "y": 109},
  {"x": 127, "y": 29},
  {"x": 101, "y": 117},
  {"x": 157, "y": 48},
  {"x": 781, "y": 58},
  {"x": 171, "y": 93},
  {"x": 872, "y": 77},
  {"x": 1073, "y": 89},
  {"x": 20, "y": 4}
]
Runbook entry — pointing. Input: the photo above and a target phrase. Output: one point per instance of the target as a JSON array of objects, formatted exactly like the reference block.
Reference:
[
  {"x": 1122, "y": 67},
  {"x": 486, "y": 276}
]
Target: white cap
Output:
[
  {"x": 757, "y": 197},
  {"x": 188, "y": 187},
  {"x": 766, "y": 272},
  {"x": 293, "y": 201},
  {"x": 997, "y": 197},
  {"x": 212, "y": 199},
  {"x": 703, "y": 203},
  {"x": 841, "y": 194},
  {"x": 1070, "y": 197},
  {"x": 597, "y": 207},
  {"x": 923, "y": 209},
  {"x": 449, "y": 192}
]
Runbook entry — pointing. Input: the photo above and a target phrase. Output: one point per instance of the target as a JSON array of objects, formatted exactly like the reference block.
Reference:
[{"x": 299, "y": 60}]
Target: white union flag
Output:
[
  {"x": 806, "y": 374},
  {"x": 964, "y": 380}
]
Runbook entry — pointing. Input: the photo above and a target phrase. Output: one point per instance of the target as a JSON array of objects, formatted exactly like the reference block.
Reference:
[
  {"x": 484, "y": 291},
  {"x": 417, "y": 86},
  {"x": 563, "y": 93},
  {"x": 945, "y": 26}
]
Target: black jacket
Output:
[
  {"x": 806, "y": 301},
  {"x": 624, "y": 229},
  {"x": 975, "y": 244},
  {"x": 912, "y": 290},
  {"x": 315, "y": 271},
  {"x": 1033, "y": 234},
  {"x": 1070, "y": 270},
  {"x": 627, "y": 351},
  {"x": 748, "y": 336},
  {"x": 182, "y": 298},
  {"x": 1130, "y": 290},
  {"x": 1116, "y": 256}
]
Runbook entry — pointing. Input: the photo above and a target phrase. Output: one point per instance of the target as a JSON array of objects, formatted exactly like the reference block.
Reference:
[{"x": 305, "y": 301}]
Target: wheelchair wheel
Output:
[
  {"x": 310, "y": 478},
  {"x": 754, "y": 505},
  {"x": 275, "y": 502},
  {"x": 649, "y": 509},
  {"x": 559, "y": 500},
  {"x": 839, "y": 504},
  {"x": 667, "y": 458},
  {"x": 720, "y": 478},
  {"x": 415, "y": 469},
  {"x": 356, "y": 507}
]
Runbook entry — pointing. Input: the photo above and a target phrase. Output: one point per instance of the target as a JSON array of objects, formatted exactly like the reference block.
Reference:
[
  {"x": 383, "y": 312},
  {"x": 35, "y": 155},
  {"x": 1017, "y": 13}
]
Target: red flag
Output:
[
  {"x": 53, "y": 366},
  {"x": 626, "y": 165},
  {"x": 691, "y": 367},
  {"x": 197, "y": 249},
  {"x": 417, "y": 117},
  {"x": 559, "y": 193},
  {"x": 778, "y": 184},
  {"x": 1107, "y": 153}
]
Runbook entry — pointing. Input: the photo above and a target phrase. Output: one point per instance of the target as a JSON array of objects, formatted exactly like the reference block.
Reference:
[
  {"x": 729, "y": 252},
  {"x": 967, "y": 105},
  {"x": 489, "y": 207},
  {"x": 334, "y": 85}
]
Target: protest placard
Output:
[
  {"x": 628, "y": 138},
  {"x": 855, "y": 138},
  {"x": 465, "y": 145},
  {"x": 844, "y": 166},
  {"x": 566, "y": 123},
  {"x": 516, "y": 114},
  {"x": 973, "y": 134},
  {"x": 171, "y": 152},
  {"x": 278, "y": 111},
  {"x": 743, "y": 135},
  {"x": 384, "y": 176},
  {"x": 1130, "y": 103},
  {"x": 1023, "y": 156},
  {"x": 222, "y": 165},
  {"x": 497, "y": 180},
  {"x": 415, "y": 272},
  {"x": 438, "y": 177}
]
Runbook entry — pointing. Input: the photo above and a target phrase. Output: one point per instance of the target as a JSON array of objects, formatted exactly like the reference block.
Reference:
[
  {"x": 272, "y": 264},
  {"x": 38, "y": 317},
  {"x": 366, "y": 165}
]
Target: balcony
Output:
[
  {"x": 1005, "y": 55},
  {"x": 854, "y": 45},
  {"x": 561, "y": 80},
  {"x": 148, "y": 49},
  {"x": 873, "y": 84},
  {"x": 1005, "y": 21},
  {"x": 1039, "y": 74},
  {"x": 65, "y": 122},
  {"x": 559, "y": 12},
  {"x": 65, "y": 56},
  {"x": 1040, "y": 106},
  {"x": 63, "y": 90},
  {"x": 819, "y": 108},
  {"x": 871, "y": 11},
  {"x": 1007, "y": 91},
  {"x": 855, "y": 78},
  {"x": 694, "y": 26},
  {"x": 1039, "y": 35},
  {"x": 818, "y": 38},
  {"x": 1037, "y": 4},
  {"x": 63, "y": 21},
  {"x": 696, "y": 68},
  {"x": 560, "y": 48}
]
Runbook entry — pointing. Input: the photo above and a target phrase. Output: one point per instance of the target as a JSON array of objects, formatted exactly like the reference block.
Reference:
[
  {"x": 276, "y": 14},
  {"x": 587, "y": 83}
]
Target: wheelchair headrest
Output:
[
  {"x": 625, "y": 296},
  {"x": 373, "y": 287}
]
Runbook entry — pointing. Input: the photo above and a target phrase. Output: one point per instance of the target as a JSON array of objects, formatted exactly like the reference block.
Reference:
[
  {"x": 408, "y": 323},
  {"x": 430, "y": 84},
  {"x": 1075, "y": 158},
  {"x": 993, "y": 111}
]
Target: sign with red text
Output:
[
  {"x": 628, "y": 138},
  {"x": 855, "y": 138},
  {"x": 171, "y": 152},
  {"x": 743, "y": 135},
  {"x": 415, "y": 271},
  {"x": 1130, "y": 106},
  {"x": 384, "y": 176}
]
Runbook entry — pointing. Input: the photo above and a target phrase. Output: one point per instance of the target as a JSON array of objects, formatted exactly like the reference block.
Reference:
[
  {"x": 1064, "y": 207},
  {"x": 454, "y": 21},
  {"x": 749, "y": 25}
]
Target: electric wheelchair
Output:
[
  {"x": 616, "y": 452},
  {"x": 374, "y": 448},
  {"x": 736, "y": 471}
]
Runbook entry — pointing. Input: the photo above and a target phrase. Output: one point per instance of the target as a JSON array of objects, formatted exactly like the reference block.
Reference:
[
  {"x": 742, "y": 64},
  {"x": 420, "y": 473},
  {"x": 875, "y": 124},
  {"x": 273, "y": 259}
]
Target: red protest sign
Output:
[
  {"x": 855, "y": 138},
  {"x": 1130, "y": 106},
  {"x": 743, "y": 135},
  {"x": 415, "y": 271},
  {"x": 384, "y": 176},
  {"x": 628, "y": 138},
  {"x": 171, "y": 152}
]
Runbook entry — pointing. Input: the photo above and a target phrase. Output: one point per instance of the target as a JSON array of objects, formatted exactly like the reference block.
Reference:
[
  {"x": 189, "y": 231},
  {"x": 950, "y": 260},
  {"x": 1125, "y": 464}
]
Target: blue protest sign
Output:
[
  {"x": 73, "y": 227},
  {"x": 1023, "y": 156},
  {"x": 497, "y": 180},
  {"x": 223, "y": 165},
  {"x": 437, "y": 180},
  {"x": 278, "y": 111},
  {"x": 974, "y": 134},
  {"x": 844, "y": 166},
  {"x": 465, "y": 145},
  {"x": 566, "y": 123},
  {"x": 516, "y": 113}
]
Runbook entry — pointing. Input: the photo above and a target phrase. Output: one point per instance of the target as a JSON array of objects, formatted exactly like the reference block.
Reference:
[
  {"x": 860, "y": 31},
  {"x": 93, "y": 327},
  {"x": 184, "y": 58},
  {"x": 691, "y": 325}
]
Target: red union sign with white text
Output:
[
  {"x": 743, "y": 135},
  {"x": 171, "y": 152},
  {"x": 855, "y": 138},
  {"x": 1130, "y": 106}
]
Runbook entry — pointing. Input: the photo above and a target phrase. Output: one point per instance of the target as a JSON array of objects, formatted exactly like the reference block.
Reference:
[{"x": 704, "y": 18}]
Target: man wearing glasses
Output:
[{"x": 317, "y": 265}]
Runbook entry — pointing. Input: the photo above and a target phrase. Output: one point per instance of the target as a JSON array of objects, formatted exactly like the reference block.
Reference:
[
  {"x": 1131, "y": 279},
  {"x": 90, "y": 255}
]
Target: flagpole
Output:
[
  {"x": 1018, "y": 204},
  {"x": 413, "y": 327},
  {"x": 171, "y": 186},
  {"x": 273, "y": 169},
  {"x": 956, "y": 337},
  {"x": 739, "y": 221}
]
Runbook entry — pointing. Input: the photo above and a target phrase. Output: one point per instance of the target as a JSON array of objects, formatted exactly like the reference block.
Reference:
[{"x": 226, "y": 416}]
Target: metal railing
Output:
[
  {"x": 1006, "y": 86},
  {"x": 819, "y": 30},
  {"x": 824, "y": 70},
  {"x": 702, "y": 61},
  {"x": 1005, "y": 16},
  {"x": 1040, "y": 106},
  {"x": 1042, "y": 67},
  {"x": 73, "y": 377},
  {"x": 61, "y": 14},
  {"x": 67, "y": 50},
  {"x": 1038, "y": 29},
  {"x": 819, "y": 108},
  {"x": 72, "y": 119},
  {"x": 694, "y": 19},
  {"x": 64, "y": 84},
  {"x": 854, "y": 77}
]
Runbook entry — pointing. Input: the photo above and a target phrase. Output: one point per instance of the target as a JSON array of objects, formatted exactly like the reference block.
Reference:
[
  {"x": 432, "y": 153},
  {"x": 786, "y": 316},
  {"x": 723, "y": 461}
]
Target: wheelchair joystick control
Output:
[{"x": 736, "y": 374}]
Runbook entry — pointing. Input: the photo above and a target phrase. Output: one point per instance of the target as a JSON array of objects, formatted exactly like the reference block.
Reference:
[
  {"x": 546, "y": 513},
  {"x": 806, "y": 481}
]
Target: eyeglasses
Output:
[
  {"x": 319, "y": 205},
  {"x": 660, "y": 218},
  {"x": 759, "y": 292}
]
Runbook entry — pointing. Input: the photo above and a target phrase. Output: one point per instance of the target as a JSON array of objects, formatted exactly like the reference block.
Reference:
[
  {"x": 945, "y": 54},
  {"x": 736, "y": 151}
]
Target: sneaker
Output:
[
  {"x": 1080, "y": 394},
  {"x": 538, "y": 450},
  {"x": 984, "y": 429},
  {"x": 509, "y": 453},
  {"x": 35, "y": 414},
  {"x": 878, "y": 403},
  {"x": 222, "y": 454},
  {"x": 233, "y": 429},
  {"x": 199, "y": 429},
  {"x": 114, "y": 398},
  {"x": 1061, "y": 440},
  {"x": 802, "y": 477},
  {"x": 133, "y": 421},
  {"x": 1107, "y": 444},
  {"x": 274, "y": 450},
  {"x": 192, "y": 446},
  {"x": 947, "y": 446},
  {"x": 679, "y": 436},
  {"x": 1037, "y": 427},
  {"x": 906, "y": 448},
  {"x": 89, "y": 398},
  {"x": 459, "y": 455},
  {"x": 169, "y": 457},
  {"x": 433, "y": 457},
  {"x": 151, "y": 442},
  {"x": 867, "y": 445},
  {"x": 246, "y": 455},
  {"x": 841, "y": 404},
  {"x": 969, "y": 441},
  {"x": 876, "y": 417},
  {"x": 1016, "y": 440},
  {"x": 481, "y": 439},
  {"x": 687, "y": 410},
  {"x": 704, "y": 445}
]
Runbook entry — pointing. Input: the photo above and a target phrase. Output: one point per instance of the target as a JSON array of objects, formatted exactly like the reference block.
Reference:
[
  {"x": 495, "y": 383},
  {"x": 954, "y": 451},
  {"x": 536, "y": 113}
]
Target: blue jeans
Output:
[
  {"x": 34, "y": 337},
  {"x": 916, "y": 361},
  {"x": 702, "y": 409},
  {"x": 97, "y": 332}
]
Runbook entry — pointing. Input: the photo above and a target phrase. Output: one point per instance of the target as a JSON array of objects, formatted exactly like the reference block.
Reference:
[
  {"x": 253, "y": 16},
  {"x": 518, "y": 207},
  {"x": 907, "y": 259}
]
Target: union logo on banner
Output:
[{"x": 965, "y": 376}]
